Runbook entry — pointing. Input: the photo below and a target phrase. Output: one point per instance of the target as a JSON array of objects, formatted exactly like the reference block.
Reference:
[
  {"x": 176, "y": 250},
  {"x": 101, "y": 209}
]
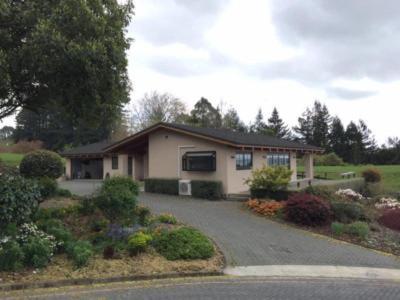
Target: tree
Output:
[
  {"x": 232, "y": 121},
  {"x": 354, "y": 153},
  {"x": 66, "y": 54},
  {"x": 259, "y": 126},
  {"x": 204, "y": 114},
  {"x": 156, "y": 107},
  {"x": 305, "y": 128},
  {"x": 6, "y": 132},
  {"x": 277, "y": 126},
  {"x": 337, "y": 138}
]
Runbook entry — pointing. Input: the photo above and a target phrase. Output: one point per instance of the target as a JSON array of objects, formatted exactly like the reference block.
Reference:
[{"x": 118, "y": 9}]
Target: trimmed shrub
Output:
[
  {"x": 271, "y": 179},
  {"x": 358, "y": 229},
  {"x": 347, "y": 212},
  {"x": 48, "y": 187},
  {"x": 80, "y": 252},
  {"x": 120, "y": 182},
  {"x": 307, "y": 209},
  {"x": 37, "y": 252},
  {"x": 161, "y": 186},
  {"x": 324, "y": 192},
  {"x": 266, "y": 208},
  {"x": 338, "y": 228},
  {"x": 267, "y": 194},
  {"x": 183, "y": 243},
  {"x": 63, "y": 193},
  {"x": 42, "y": 163},
  {"x": 11, "y": 256},
  {"x": 391, "y": 219},
  {"x": 372, "y": 175},
  {"x": 167, "y": 219},
  {"x": 143, "y": 214},
  {"x": 330, "y": 159},
  {"x": 19, "y": 200},
  {"x": 205, "y": 189},
  {"x": 138, "y": 242}
]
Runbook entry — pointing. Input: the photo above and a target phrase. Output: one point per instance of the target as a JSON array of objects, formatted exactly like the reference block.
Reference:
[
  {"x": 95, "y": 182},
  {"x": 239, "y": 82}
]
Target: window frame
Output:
[
  {"x": 185, "y": 163},
  {"x": 276, "y": 159},
  {"x": 114, "y": 162},
  {"x": 244, "y": 167}
]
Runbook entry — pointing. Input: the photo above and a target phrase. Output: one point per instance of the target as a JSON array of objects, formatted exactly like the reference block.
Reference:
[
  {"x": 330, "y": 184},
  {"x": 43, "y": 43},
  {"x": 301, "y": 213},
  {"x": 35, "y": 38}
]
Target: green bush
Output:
[
  {"x": 80, "y": 252},
  {"x": 267, "y": 194},
  {"x": 269, "y": 179},
  {"x": 143, "y": 214},
  {"x": 87, "y": 206},
  {"x": 330, "y": 159},
  {"x": 359, "y": 229},
  {"x": 183, "y": 243},
  {"x": 57, "y": 229},
  {"x": 19, "y": 200},
  {"x": 63, "y": 193},
  {"x": 372, "y": 175},
  {"x": 120, "y": 182},
  {"x": 11, "y": 256},
  {"x": 138, "y": 242},
  {"x": 37, "y": 252},
  {"x": 324, "y": 192},
  {"x": 211, "y": 190},
  {"x": 42, "y": 163},
  {"x": 48, "y": 187},
  {"x": 347, "y": 212},
  {"x": 161, "y": 186},
  {"x": 338, "y": 228},
  {"x": 167, "y": 219}
]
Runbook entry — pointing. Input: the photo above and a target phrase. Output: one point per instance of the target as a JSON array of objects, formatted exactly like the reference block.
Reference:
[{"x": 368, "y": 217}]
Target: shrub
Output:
[
  {"x": 167, "y": 219},
  {"x": 63, "y": 193},
  {"x": 183, "y": 243},
  {"x": 143, "y": 214},
  {"x": 391, "y": 219},
  {"x": 42, "y": 163},
  {"x": 48, "y": 187},
  {"x": 108, "y": 252},
  {"x": 211, "y": 190},
  {"x": 307, "y": 209},
  {"x": 266, "y": 208},
  {"x": 267, "y": 194},
  {"x": 372, "y": 175},
  {"x": 87, "y": 206},
  {"x": 11, "y": 256},
  {"x": 37, "y": 252},
  {"x": 117, "y": 198},
  {"x": 324, "y": 192},
  {"x": 337, "y": 228},
  {"x": 349, "y": 194},
  {"x": 161, "y": 186},
  {"x": 387, "y": 203},
  {"x": 19, "y": 200},
  {"x": 346, "y": 212},
  {"x": 330, "y": 159},
  {"x": 359, "y": 229},
  {"x": 80, "y": 252},
  {"x": 56, "y": 228},
  {"x": 99, "y": 225},
  {"x": 138, "y": 242}
]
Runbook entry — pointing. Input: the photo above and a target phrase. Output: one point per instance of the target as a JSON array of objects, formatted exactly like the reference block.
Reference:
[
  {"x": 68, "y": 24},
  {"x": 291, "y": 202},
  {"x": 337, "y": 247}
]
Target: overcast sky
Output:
[{"x": 265, "y": 53}]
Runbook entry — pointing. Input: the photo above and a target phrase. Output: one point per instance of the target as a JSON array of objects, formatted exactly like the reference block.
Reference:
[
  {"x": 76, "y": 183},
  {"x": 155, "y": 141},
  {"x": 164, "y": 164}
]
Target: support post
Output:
[{"x": 309, "y": 165}]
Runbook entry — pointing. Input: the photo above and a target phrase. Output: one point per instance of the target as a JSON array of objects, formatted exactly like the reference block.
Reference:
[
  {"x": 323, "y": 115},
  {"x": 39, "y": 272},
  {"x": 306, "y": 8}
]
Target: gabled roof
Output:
[{"x": 95, "y": 149}]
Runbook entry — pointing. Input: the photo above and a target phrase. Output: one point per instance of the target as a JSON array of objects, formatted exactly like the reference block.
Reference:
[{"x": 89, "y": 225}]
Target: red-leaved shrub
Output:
[
  {"x": 306, "y": 209},
  {"x": 391, "y": 219},
  {"x": 372, "y": 175}
]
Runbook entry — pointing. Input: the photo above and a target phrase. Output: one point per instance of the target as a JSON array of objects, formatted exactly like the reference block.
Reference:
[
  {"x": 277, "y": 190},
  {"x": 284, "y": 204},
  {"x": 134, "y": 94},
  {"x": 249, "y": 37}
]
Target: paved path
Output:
[{"x": 250, "y": 240}]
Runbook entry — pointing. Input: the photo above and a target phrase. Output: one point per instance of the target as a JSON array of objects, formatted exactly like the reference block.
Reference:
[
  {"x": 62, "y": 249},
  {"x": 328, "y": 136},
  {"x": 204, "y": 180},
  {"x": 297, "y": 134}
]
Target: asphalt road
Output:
[{"x": 234, "y": 288}]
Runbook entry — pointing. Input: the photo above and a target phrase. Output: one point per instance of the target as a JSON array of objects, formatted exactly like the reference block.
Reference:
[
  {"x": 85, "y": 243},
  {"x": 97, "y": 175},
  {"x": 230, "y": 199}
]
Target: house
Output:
[{"x": 167, "y": 150}]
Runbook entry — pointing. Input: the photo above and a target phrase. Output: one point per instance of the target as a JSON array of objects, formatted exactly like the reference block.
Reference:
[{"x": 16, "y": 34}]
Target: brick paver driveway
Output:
[{"x": 247, "y": 239}]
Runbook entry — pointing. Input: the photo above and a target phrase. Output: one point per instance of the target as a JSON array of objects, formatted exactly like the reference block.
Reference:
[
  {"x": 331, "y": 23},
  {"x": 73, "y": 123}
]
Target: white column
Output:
[
  {"x": 309, "y": 166},
  {"x": 293, "y": 165},
  {"x": 68, "y": 171}
]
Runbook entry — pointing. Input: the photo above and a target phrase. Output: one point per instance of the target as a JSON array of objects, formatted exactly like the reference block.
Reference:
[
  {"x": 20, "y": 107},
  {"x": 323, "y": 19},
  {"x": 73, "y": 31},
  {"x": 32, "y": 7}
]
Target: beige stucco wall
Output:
[
  {"x": 68, "y": 168},
  {"x": 122, "y": 166}
]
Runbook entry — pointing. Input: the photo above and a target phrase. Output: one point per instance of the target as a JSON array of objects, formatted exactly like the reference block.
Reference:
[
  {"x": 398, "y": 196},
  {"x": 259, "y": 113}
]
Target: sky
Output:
[{"x": 251, "y": 54}]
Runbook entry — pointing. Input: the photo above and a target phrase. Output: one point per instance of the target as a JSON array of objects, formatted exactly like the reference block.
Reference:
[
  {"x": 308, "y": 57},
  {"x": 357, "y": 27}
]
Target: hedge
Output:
[
  {"x": 162, "y": 186},
  {"x": 206, "y": 189},
  {"x": 268, "y": 194}
]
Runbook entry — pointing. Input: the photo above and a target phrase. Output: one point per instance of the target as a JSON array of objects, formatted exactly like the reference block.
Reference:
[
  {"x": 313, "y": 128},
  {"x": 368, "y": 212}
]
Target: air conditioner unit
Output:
[{"x": 185, "y": 187}]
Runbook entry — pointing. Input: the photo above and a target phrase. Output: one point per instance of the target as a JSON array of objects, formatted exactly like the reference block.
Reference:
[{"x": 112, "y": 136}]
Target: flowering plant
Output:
[
  {"x": 349, "y": 194},
  {"x": 387, "y": 203}
]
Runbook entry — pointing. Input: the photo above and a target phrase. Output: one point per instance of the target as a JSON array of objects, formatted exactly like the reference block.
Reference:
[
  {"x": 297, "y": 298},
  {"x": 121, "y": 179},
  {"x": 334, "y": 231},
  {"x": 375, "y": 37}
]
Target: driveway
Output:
[
  {"x": 81, "y": 187},
  {"x": 250, "y": 240}
]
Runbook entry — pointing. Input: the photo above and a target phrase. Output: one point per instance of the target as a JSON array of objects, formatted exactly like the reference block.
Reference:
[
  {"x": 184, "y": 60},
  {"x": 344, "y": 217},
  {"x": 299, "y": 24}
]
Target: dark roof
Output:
[
  {"x": 242, "y": 138},
  {"x": 90, "y": 149}
]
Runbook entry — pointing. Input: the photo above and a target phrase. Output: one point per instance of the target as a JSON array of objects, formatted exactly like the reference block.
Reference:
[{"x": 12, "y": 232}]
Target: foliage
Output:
[
  {"x": 55, "y": 228},
  {"x": 307, "y": 209},
  {"x": 330, "y": 159},
  {"x": 204, "y": 114},
  {"x": 359, "y": 229},
  {"x": 387, "y": 203},
  {"x": 99, "y": 224},
  {"x": 277, "y": 127},
  {"x": 19, "y": 148},
  {"x": 347, "y": 212},
  {"x": 80, "y": 252},
  {"x": 337, "y": 228},
  {"x": 48, "y": 187},
  {"x": 138, "y": 242},
  {"x": 143, "y": 214},
  {"x": 268, "y": 194},
  {"x": 63, "y": 193},
  {"x": 37, "y": 251},
  {"x": 108, "y": 252},
  {"x": 117, "y": 198},
  {"x": 391, "y": 219},
  {"x": 42, "y": 163},
  {"x": 266, "y": 208},
  {"x": 372, "y": 175},
  {"x": 11, "y": 256},
  {"x": 161, "y": 186},
  {"x": 167, "y": 219},
  {"x": 349, "y": 194},
  {"x": 207, "y": 189},
  {"x": 18, "y": 201},
  {"x": 117, "y": 232},
  {"x": 87, "y": 205},
  {"x": 183, "y": 243},
  {"x": 259, "y": 126},
  {"x": 270, "y": 179},
  {"x": 231, "y": 120},
  {"x": 324, "y": 192}
]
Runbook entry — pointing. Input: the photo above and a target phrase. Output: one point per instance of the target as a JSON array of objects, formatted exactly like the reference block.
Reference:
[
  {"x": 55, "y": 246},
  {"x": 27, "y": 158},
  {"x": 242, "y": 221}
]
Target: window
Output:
[
  {"x": 114, "y": 162},
  {"x": 278, "y": 159},
  {"x": 199, "y": 161},
  {"x": 244, "y": 160}
]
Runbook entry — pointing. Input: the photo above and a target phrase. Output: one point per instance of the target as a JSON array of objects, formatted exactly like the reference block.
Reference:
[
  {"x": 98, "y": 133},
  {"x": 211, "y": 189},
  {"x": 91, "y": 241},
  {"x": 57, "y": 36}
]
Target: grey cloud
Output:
[{"x": 349, "y": 94}]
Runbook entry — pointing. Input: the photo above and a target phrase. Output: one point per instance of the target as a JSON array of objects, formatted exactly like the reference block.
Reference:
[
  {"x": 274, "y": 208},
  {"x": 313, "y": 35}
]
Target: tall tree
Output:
[
  {"x": 68, "y": 54},
  {"x": 354, "y": 153},
  {"x": 277, "y": 127},
  {"x": 6, "y": 132},
  {"x": 259, "y": 126},
  {"x": 337, "y": 138},
  {"x": 232, "y": 121},
  {"x": 204, "y": 114},
  {"x": 156, "y": 107},
  {"x": 304, "y": 129}
]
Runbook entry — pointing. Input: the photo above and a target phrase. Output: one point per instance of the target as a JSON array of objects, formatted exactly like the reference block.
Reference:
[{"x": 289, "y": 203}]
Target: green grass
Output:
[
  {"x": 12, "y": 159},
  {"x": 390, "y": 173}
]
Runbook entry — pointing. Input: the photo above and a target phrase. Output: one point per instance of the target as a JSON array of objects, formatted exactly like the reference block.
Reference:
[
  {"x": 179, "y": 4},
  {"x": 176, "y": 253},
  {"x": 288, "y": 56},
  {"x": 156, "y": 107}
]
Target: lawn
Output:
[
  {"x": 12, "y": 159},
  {"x": 390, "y": 173}
]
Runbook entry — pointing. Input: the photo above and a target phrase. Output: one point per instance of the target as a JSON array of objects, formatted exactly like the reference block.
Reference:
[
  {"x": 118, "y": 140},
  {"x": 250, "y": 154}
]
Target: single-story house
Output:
[{"x": 167, "y": 150}]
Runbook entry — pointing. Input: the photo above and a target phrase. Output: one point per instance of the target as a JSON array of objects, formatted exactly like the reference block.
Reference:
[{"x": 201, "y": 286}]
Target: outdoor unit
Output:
[{"x": 185, "y": 188}]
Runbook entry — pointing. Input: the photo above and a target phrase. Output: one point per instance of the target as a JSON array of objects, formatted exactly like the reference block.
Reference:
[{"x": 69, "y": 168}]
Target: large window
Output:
[
  {"x": 244, "y": 160},
  {"x": 278, "y": 159},
  {"x": 199, "y": 161},
  {"x": 114, "y": 162}
]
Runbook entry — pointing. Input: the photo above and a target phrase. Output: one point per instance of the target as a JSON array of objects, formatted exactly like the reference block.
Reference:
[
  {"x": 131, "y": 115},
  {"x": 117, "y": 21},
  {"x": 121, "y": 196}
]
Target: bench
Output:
[{"x": 348, "y": 175}]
